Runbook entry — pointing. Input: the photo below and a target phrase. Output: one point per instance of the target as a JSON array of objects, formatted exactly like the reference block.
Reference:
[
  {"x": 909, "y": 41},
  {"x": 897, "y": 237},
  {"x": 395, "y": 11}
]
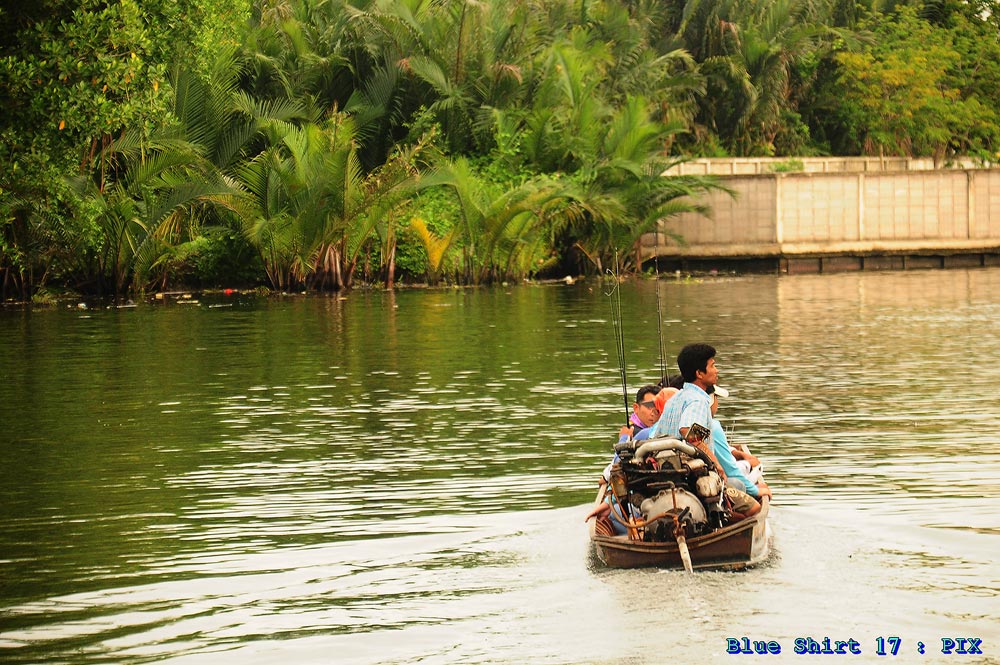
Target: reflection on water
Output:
[{"x": 401, "y": 477}]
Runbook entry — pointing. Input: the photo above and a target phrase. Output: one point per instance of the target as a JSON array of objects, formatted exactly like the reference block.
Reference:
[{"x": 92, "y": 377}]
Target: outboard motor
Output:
[
  {"x": 668, "y": 482},
  {"x": 661, "y": 510}
]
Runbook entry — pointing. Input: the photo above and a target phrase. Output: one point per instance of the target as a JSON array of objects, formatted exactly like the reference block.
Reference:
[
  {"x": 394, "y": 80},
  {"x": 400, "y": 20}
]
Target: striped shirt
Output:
[{"x": 691, "y": 405}]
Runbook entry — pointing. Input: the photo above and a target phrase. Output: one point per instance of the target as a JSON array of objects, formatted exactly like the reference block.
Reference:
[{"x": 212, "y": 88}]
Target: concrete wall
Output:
[
  {"x": 726, "y": 166},
  {"x": 915, "y": 211}
]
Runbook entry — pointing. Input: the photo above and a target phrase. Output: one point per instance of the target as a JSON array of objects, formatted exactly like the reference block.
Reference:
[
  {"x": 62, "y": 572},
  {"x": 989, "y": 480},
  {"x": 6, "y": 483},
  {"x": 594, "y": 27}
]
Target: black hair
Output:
[
  {"x": 675, "y": 381},
  {"x": 694, "y": 358},
  {"x": 646, "y": 390}
]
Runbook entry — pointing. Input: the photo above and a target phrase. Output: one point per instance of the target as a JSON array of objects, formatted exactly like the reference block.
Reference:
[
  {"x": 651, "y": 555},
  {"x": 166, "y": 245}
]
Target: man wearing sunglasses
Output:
[{"x": 645, "y": 413}]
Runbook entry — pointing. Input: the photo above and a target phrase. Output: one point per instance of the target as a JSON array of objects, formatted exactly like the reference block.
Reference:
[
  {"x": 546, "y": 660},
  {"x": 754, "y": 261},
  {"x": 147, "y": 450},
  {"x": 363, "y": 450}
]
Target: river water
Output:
[{"x": 402, "y": 477}]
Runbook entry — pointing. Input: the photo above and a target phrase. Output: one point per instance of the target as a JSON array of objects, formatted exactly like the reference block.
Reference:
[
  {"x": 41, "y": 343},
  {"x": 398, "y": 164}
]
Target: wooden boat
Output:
[
  {"x": 733, "y": 547},
  {"x": 730, "y": 547}
]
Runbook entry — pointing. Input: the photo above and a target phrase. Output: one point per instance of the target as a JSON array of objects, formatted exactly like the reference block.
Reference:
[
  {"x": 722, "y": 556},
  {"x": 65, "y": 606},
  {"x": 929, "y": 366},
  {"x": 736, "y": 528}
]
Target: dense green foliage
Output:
[
  {"x": 927, "y": 84},
  {"x": 312, "y": 143}
]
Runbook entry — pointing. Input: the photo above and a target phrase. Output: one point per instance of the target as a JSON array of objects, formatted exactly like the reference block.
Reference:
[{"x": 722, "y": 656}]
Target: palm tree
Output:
[
  {"x": 612, "y": 153},
  {"x": 751, "y": 53},
  {"x": 311, "y": 209},
  {"x": 149, "y": 196},
  {"x": 302, "y": 50},
  {"x": 458, "y": 59},
  {"x": 498, "y": 230},
  {"x": 436, "y": 247},
  {"x": 140, "y": 201},
  {"x": 368, "y": 205},
  {"x": 30, "y": 234}
]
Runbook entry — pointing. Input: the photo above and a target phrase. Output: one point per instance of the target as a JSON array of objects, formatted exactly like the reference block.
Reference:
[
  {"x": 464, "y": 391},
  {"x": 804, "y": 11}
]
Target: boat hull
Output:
[{"x": 733, "y": 547}]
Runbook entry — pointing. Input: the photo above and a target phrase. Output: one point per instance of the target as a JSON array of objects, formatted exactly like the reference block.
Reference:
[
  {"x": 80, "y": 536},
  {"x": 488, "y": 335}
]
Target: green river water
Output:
[{"x": 402, "y": 477}]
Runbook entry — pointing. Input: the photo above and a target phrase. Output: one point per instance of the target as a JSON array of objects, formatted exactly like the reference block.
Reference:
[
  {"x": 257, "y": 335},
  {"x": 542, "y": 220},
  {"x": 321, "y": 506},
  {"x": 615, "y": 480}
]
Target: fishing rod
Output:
[
  {"x": 615, "y": 298},
  {"x": 659, "y": 312}
]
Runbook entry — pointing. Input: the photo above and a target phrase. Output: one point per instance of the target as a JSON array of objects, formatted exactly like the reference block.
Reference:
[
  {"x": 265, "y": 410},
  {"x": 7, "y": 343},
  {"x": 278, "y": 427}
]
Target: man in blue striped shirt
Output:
[{"x": 692, "y": 404}]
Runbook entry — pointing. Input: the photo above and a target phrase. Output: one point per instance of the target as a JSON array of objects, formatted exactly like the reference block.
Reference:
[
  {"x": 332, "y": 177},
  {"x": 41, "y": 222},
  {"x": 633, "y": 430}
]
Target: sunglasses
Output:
[{"x": 649, "y": 404}]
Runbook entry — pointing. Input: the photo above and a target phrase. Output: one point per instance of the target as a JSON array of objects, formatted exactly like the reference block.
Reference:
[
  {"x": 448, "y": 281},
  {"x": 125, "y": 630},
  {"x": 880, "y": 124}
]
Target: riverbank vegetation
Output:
[{"x": 315, "y": 144}]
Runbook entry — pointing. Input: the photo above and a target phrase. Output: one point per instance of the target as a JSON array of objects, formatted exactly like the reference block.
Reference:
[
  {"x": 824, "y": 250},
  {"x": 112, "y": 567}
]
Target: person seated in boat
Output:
[
  {"x": 750, "y": 465},
  {"x": 665, "y": 389},
  {"x": 604, "y": 510},
  {"x": 692, "y": 405},
  {"x": 741, "y": 470},
  {"x": 736, "y": 464},
  {"x": 645, "y": 410},
  {"x": 648, "y": 401},
  {"x": 632, "y": 430}
]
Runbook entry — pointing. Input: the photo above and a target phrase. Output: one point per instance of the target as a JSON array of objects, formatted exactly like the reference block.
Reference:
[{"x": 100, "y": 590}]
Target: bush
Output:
[{"x": 223, "y": 258}]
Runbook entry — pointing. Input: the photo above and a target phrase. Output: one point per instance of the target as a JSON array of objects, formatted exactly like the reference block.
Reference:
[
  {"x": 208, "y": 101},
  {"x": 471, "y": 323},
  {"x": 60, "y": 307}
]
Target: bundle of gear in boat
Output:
[{"x": 668, "y": 488}]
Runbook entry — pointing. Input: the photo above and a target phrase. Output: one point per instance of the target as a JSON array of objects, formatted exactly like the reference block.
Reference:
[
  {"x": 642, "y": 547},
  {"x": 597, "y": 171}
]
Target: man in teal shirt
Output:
[{"x": 694, "y": 405}]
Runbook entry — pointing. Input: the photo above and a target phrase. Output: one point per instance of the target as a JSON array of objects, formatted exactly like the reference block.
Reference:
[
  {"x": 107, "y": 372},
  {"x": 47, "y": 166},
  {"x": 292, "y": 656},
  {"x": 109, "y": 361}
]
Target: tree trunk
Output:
[
  {"x": 347, "y": 275},
  {"x": 390, "y": 270}
]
